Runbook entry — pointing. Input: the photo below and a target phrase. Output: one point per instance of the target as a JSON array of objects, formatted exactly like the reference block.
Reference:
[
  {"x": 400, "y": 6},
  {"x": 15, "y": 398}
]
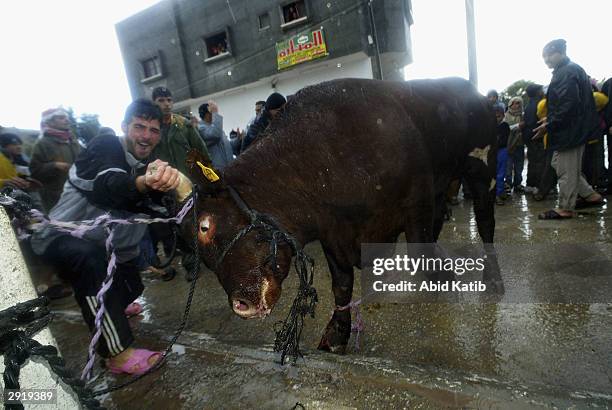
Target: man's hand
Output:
[
  {"x": 62, "y": 166},
  {"x": 18, "y": 183},
  {"x": 213, "y": 107},
  {"x": 159, "y": 177},
  {"x": 540, "y": 130}
]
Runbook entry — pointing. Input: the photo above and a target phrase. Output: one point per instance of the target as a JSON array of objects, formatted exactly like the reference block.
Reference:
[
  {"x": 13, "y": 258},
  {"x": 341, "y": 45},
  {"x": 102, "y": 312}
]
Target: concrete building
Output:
[{"x": 237, "y": 52}]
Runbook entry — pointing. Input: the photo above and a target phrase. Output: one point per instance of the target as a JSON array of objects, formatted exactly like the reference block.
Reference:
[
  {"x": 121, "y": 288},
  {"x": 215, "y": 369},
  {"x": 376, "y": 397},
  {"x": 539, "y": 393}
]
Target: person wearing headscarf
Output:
[{"x": 53, "y": 155}]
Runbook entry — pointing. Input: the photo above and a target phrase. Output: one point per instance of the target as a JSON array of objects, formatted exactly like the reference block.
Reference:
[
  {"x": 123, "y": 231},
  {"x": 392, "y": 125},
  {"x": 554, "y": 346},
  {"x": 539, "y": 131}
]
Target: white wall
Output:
[
  {"x": 238, "y": 106},
  {"x": 17, "y": 287}
]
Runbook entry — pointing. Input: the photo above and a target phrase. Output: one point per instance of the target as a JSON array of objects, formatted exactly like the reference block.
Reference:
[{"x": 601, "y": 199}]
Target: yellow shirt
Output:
[
  {"x": 7, "y": 170},
  {"x": 542, "y": 112},
  {"x": 601, "y": 100}
]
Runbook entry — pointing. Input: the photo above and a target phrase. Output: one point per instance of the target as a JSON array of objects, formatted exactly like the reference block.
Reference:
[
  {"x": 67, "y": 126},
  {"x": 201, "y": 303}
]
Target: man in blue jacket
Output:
[
  {"x": 211, "y": 131},
  {"x": 571, "y": 119}
]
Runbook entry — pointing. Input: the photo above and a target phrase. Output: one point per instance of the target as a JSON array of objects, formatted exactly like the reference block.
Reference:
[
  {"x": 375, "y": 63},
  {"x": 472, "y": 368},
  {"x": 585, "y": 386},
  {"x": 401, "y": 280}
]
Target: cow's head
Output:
[{"x": 242, "y": 265}]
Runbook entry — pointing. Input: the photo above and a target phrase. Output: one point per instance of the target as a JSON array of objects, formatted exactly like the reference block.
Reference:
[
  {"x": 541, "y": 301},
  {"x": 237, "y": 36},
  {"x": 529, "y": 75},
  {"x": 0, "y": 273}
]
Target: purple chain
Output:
[
  {"x": 357, "y": 325},
  {"x": 106, "y": 284}
]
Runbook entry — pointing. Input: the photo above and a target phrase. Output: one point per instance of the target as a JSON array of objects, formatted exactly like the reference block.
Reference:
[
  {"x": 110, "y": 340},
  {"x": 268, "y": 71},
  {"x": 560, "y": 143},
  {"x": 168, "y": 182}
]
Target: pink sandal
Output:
[
  {"x": 137, "y": 364},
  {"x": 133, "y": 309}
]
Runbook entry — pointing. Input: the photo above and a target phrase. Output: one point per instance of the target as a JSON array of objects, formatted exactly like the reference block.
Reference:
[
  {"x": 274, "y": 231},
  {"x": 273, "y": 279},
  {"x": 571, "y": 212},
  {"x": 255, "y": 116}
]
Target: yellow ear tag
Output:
[{"x": 209, "y": 173}]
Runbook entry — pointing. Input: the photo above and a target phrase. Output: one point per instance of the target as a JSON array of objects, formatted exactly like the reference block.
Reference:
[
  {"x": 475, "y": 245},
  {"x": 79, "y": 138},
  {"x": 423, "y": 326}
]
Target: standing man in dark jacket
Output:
[{"x": 571, "y": 119}]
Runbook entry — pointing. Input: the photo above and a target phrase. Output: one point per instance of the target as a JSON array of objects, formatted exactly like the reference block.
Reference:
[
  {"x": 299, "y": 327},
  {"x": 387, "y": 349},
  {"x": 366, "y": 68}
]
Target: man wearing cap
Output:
[
  {"x": 571, "y": 119},
  {"x": 274, "y": 104},
  {"x": 211, "y": 130},
  {"x": 53, "y": 154},
  {"x": 178, "y": 136}
]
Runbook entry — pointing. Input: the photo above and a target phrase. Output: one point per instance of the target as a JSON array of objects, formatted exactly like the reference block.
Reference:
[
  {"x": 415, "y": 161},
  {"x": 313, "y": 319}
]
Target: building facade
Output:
[{"x": 237, "y": 51}]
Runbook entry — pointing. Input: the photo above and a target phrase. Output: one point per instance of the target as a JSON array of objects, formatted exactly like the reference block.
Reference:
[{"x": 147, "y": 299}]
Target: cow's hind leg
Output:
[
  {"x": 338, "y": 330},
  {"x": 484, "y": 209}
]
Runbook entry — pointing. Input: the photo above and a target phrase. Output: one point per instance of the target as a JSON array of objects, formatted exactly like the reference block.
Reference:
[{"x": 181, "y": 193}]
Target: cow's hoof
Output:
[
  {"x": 325, "y": 346},
  {"x": 336, "y": 337},
  {"x": 495, "y": 286}
]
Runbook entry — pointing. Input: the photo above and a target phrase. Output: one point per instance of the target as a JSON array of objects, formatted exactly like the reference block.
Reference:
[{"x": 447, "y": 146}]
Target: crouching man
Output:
[{"x": 114, "y": 175}]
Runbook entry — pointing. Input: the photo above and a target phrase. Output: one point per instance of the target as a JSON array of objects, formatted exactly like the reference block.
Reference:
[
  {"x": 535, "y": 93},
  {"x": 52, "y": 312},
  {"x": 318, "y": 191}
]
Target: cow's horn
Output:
[{"x": 184, "y": 189}]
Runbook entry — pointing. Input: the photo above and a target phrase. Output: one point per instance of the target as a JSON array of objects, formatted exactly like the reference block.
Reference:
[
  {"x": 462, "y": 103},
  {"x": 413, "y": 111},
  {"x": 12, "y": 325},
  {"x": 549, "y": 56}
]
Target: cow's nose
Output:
[{"x": 248, "y": 310}]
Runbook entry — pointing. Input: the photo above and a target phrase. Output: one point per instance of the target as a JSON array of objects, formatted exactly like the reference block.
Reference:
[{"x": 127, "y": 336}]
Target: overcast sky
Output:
[
  {"x": 509, "y": 38},
  {"x": 66, "y": 52}
]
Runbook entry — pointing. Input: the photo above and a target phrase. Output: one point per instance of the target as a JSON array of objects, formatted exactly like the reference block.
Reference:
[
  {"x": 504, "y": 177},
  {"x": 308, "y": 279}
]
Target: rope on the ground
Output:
[{"x": 17, "y": 326}]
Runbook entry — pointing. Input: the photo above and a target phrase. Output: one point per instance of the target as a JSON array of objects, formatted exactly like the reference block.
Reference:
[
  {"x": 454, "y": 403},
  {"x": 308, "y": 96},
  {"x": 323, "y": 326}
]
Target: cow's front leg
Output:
[{"x": 338, "y": 330}]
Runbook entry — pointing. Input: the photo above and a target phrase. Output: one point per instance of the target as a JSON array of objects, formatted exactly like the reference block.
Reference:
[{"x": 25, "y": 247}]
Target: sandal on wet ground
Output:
[
  {"x": 552, "y": 214},
  {"x": 133, "y": 309},
  {"x": 137, "y": 364}
]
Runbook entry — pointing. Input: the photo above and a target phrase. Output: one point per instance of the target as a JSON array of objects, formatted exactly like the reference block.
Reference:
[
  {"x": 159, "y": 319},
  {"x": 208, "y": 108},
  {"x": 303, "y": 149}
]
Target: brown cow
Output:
[{"x": 349, "y": 162}]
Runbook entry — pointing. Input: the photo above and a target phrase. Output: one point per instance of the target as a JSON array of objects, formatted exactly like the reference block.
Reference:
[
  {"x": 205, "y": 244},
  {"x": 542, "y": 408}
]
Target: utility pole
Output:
[
  {"x": 471, "y": 41},
  {"x": 375, "y": 39}
]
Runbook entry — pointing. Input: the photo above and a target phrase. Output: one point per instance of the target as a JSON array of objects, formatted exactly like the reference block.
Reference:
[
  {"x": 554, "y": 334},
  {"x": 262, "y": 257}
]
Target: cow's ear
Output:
[{"x": 202, "y": 173}]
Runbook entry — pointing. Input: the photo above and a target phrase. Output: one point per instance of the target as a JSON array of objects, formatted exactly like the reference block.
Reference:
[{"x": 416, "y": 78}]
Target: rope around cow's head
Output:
[{"x": 288, "y": 331}]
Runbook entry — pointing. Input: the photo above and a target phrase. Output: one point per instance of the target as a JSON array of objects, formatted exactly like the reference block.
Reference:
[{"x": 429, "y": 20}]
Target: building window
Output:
[
  {"x": 264, "y": 21},
  {"x": 293, "y": 13},
  {"x": 217, "y": 46},
  {"x": 151, "y": 68}
]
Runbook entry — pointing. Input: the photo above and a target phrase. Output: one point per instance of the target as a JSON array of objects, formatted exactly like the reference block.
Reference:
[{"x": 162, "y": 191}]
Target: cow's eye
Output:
[{"x": 205, "y": 225}]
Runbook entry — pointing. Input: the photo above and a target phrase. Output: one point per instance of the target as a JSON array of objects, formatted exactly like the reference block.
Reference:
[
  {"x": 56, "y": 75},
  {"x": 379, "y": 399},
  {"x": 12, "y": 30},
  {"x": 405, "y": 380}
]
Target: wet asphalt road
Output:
[{"x": 510, "y": 354}]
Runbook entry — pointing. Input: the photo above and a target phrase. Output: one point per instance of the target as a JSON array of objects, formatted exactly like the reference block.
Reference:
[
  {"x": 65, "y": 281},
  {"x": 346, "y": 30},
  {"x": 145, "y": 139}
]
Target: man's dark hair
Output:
[
  {"x": 556, "y": 46},
  {"x": 202, "y": 110},
  {"x": 142, "y": 108},
  {"x": 260, "y": 102},
  {"x": 492, "y": 93},
  {"x": 160, "y": 92},
  {"x": 533, "y": 90}
]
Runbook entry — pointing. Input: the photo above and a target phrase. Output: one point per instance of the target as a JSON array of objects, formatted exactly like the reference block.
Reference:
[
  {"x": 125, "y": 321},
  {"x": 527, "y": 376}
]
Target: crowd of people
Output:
[
  {"x": 562, "y": 130},
  {"x": 562, "y": 127}
]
